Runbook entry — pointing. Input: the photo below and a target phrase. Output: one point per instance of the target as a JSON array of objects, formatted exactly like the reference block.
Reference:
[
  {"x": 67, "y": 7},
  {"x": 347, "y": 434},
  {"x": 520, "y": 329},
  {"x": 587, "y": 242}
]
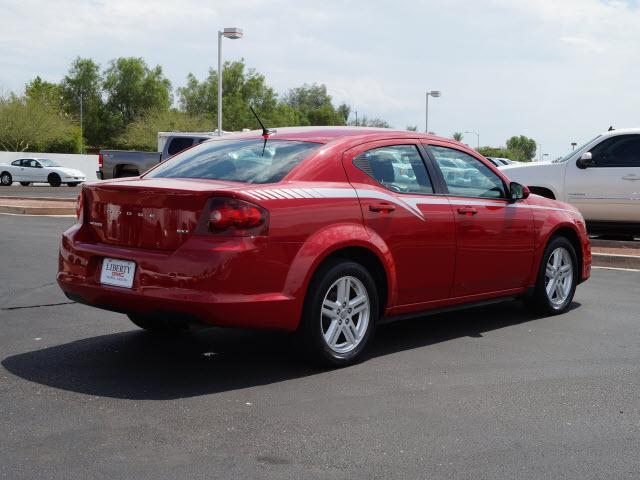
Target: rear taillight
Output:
[
  {"x": 80, "y": 207},
  {"x": 100, "y": 161},
  {"x": 229, "y": 216}
]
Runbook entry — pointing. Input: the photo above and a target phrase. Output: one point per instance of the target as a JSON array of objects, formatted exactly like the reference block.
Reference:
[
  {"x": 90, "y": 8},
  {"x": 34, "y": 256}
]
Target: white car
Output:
[
  {"x": 39, "y": 170},
  {"x": 601, "y": 178},
  {"x": 500, "y": 162}
]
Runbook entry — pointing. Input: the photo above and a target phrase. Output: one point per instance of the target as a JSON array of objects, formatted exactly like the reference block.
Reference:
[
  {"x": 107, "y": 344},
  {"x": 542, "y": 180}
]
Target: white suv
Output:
[{"x": 600, "y": 178}]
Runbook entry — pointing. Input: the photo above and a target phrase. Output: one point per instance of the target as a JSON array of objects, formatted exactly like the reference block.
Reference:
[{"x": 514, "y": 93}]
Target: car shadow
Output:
[{"x": 136, "y": 365}]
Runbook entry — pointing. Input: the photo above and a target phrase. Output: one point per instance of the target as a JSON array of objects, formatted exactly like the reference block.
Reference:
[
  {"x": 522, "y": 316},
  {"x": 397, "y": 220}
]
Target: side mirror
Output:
[
  {"x": 586, "y": 161},
  {"x": 518, "y": 191}
]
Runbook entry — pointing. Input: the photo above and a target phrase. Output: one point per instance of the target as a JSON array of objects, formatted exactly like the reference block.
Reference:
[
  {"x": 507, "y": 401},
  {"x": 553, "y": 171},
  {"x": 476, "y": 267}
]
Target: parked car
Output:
[
  {"x": 601, "y": 179},
  {"x": 39, "y": 170},
  {"x": 318, "y": 237},
  {"x": 500, "y": 162},
  {"x": 129, "y": 163}
]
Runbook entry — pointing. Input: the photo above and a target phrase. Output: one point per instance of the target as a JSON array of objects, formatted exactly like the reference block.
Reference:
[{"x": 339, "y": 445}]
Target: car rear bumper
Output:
[{"x": 234, "y": 282}]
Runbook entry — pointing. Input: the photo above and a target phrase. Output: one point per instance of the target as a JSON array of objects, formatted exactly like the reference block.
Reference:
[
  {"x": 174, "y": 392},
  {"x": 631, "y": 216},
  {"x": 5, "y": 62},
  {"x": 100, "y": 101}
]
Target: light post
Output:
[
  {"x": 477, "y": 134},
  {"x": 81, "y": 126},
  {"x": 573, "y": 146},
  {"x": 434, "y": 94},
  {"x": 232, "y": 33}
]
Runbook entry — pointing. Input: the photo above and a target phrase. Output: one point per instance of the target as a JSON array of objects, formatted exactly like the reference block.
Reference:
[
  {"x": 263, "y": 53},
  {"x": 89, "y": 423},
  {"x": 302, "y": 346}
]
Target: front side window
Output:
[
  {"x": 398, "y": 167},
  {"x": 467, "y": 176},
  {"x": 49, "y": 163},
  {"x": 619, "y": 151},
  {"x": 247, "y": 161}
]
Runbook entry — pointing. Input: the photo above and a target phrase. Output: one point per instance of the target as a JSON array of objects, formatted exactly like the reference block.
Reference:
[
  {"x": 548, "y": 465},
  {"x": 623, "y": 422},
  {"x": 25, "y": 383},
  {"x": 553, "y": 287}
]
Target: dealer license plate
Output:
[{"x": 117, "y": 272}]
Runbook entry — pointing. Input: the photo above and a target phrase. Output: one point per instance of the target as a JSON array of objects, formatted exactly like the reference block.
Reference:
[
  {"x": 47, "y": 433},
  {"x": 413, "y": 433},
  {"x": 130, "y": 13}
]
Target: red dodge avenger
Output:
[{"x": 322, "y": 231}]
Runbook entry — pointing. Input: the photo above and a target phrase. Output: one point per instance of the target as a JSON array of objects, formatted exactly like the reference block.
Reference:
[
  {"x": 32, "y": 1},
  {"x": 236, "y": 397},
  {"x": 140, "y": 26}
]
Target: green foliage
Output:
[
  {"x": 126, "y": 104},
  {"x": 142, "y": 133},
  {"x": 523, "y": 148},
  {"x": 412, "y": 128},
  {"x": 457, "y": 136},
  {"x": 315, "y": 106},
  {"x": 33, "y": 125},
  {"x": 132, "y": 88},
  {"x": 496, "y": 152},
  {"x": 365, "y": 121}
]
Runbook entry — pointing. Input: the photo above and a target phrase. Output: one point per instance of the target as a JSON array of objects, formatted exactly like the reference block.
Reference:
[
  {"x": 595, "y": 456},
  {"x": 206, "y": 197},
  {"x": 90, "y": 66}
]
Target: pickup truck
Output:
[
  {"x": 127, "y": 163},
  {"x": 601, "y": 179}
]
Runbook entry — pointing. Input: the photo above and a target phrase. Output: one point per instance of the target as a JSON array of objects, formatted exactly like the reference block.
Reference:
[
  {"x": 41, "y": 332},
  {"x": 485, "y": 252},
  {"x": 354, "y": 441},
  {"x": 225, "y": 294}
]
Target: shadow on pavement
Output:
[{"x": 136, "y": 365}]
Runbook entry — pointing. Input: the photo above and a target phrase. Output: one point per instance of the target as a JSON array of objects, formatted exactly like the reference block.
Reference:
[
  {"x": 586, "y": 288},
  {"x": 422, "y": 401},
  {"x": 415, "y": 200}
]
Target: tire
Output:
[
  {"x": 6, "y": 179},
  {"x": 25, "y": 184},
  {"x": 559, "y": 271},
  {"x": 329, "y": 334},
  {"x": 157, "y": 324},
  {"x": 54, "y": 180},
  {"x": 73, "y": 184}
]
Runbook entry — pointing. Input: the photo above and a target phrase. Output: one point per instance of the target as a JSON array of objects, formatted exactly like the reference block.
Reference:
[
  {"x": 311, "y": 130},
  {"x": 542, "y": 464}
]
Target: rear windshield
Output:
[{"x": 236, "y": 160}]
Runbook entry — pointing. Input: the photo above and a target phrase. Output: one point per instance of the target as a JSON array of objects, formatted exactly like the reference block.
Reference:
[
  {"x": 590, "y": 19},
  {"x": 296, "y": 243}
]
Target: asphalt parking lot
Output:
[{"x": 491, "y": 392}]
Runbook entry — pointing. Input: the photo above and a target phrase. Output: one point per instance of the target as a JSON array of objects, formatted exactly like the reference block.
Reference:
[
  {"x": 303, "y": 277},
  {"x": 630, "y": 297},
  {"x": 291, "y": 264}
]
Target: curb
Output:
[
  {"x": 37, "y": 210},
  {"x": 615, "y": 261},
  {"x": 43, "y": 199}
]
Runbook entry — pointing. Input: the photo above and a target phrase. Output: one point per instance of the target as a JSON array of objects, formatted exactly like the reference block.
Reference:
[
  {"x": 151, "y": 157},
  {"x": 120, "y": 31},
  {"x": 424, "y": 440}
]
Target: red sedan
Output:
[{"x": 322, "y": 231}]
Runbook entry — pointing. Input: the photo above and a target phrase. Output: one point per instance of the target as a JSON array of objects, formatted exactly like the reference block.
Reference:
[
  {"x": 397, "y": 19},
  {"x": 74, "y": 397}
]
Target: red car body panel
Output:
[{"x": 432, "y": 255}]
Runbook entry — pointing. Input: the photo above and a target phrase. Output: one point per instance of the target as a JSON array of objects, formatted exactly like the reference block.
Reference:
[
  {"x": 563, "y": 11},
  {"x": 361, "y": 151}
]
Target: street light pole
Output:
[
  {"x": 434, "y": 94},
  {"x": 477, "y": 134},
  {"x": 81, "y": 126},
  {"x": 232, "y": 33}
]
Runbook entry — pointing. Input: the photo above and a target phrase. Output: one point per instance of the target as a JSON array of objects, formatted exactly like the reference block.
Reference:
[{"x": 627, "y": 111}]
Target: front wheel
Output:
[
  {"x": 340, "y": 314},
  {"x": 557, "y": 278},
  {"x": 54, "y": 180},
  {"x": 72, "y": 184}
]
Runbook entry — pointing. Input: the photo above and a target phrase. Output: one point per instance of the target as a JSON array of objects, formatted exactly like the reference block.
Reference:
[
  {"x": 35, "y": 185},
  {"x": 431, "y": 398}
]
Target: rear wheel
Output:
[
  {"x": 340, "y": 314},
  {"x": 25, "y": 184},
  {"x": 54, "y": 180},
  {"x": 72, "y": 184},
  {"x": 157, "y": 324},
  {"x": 5, "y": 179},
  {"x": 557, "y": 278}
]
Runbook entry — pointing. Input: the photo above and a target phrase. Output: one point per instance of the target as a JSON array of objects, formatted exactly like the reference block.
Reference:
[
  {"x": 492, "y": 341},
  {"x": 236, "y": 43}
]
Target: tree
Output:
[
  {"x": 315, "y": 106},
  {"x": 412, "y": 128},
  {"x": 29, "y": 124},
  {"x": 365, "y": 121},
  {"x": 457, "y": 136},
  {"x": 84, "y": 79},
  {"x": 496, "y": 152},
  {"x": 241, "y": 87},
  {"x": 523, "y": 148},
  {"x": 45, "y": 93},
  {"x": 132, "y": 88},
  {"x": 142, "y": 133}
]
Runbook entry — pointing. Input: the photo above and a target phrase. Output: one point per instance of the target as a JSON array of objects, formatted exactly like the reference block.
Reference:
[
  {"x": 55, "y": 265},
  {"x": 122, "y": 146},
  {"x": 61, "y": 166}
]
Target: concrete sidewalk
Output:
[{"x": 37, "y": 206}]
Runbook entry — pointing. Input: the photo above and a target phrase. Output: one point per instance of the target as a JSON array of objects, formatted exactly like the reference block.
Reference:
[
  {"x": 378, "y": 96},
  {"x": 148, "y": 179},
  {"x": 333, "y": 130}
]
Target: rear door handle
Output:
[
  {"x": 468, "y": 211},
  {"x": 382, "y": 207}
]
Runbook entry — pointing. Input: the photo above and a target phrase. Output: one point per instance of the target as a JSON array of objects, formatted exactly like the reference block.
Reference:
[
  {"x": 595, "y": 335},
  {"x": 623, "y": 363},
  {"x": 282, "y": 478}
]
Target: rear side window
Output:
[
  {"x": 399, "y": 168},
  {"x": 619, "y": 151},
  {"x": 179, "y": 144},
  {"x": 17, "y": 163},
  {"x": 467, "y": 176},
  {"x": 247, "y": 161}
]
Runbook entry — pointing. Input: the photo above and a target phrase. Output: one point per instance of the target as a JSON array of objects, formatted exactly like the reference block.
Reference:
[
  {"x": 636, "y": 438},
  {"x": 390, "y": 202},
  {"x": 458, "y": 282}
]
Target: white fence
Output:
[{"x": 87, "y": 164}]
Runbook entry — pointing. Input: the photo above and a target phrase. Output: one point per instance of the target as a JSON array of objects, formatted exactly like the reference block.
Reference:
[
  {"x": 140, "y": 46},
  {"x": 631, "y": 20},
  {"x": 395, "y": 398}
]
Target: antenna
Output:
[{"x": 265, "y": 131}]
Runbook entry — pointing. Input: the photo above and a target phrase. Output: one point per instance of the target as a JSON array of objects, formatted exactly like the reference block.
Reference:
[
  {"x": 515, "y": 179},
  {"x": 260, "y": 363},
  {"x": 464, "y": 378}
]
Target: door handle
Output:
[
  {"x": 382, "y": 207},
  {"x": 468, "y": 211},
  {"x": 632, "y": 177}
]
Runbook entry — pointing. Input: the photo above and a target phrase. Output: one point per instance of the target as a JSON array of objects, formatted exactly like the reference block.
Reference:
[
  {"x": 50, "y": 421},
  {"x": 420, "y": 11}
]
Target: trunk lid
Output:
[{"x": 156, "y": 214}]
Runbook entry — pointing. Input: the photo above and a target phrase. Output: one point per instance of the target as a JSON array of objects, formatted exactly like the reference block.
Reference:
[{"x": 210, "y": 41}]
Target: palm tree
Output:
[{"x": 457, "y": 136}]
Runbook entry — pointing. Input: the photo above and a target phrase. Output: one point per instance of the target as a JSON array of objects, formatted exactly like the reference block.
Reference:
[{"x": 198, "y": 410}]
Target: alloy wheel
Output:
[
  {"x": 345, "y": 314},
  {"x": 558, "y": 277}
]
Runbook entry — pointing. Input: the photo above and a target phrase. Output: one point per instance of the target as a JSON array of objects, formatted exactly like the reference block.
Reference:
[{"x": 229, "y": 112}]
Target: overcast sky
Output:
[{"x": 557, "y": 71}]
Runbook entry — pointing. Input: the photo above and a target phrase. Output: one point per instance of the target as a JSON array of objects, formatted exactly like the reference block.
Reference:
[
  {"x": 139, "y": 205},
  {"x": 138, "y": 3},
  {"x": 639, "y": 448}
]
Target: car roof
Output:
[{"x": 331, "y": 133}]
